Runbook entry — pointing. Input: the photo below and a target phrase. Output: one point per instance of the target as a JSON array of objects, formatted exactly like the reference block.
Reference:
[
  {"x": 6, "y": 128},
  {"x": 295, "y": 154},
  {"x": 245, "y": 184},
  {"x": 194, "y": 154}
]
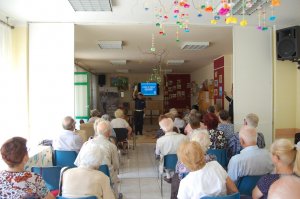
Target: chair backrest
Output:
[
  {"x": 50, "y": 175},
  {"x": 83, "y": 135},
  {"x": 64, "y": 158},
  {"x": 246, "y": 184},
  {"x": 121, "y": 133},
  {"x": 88, "y": 128},
  {"x": 87, "y": 197},
  {"x": 297, "y": 138},
  {"x": 170, "y": 161},
  {"x": 232, "y": 196},
  {"x": 104, "y": 168},
  {"x": 181, "y": 130},
  {"x": 221, "y": 155}
]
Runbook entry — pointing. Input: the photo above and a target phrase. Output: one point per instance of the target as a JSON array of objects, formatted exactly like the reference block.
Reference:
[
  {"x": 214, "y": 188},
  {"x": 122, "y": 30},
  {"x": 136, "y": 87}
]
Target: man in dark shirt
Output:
[
  {"x": 230, "y": 108},
  {"x": 140, "y": 105}
]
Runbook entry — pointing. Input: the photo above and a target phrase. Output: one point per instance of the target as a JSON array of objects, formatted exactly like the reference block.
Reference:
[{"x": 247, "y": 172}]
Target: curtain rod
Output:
[{"x": 6, "y": 23}]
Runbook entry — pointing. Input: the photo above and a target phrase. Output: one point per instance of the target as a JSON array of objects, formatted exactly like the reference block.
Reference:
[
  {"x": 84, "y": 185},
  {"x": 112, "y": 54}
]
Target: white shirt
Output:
[
  {"x": 179, "y": 123},
  {"x": 169, "y": 143},
  {"x": 119, "y": 123},
  {"x": 68, "y": 141},
  {"x": 208, "y": 181},
  {"x": 111, "y": 158}
]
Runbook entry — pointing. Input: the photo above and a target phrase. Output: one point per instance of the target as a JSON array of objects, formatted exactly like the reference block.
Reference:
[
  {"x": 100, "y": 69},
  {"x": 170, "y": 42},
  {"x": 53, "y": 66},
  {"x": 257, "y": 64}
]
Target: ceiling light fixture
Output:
[
  {"x": 122, "y": 70},
  {"x": 91, "y": 5},
  {"x": 194, "y": 45},
  {"x": 110, "y": 44},
  {"x": 175, "y": 62},
  {"x": 118, "y": 62}
]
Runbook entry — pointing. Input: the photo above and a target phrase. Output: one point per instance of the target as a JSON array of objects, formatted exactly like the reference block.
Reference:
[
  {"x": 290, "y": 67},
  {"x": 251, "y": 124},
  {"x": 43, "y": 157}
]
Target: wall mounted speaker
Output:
[
  {"x": 101, "y": 80},
  {"x": 288, "y": 43}
]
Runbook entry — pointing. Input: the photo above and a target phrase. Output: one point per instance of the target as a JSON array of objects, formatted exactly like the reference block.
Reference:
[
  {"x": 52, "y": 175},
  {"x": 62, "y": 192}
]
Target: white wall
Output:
[
  {"x": 203, "y": 73},
  {"x": 51, "y": 77},
  {"x": 252, "y": 77}
]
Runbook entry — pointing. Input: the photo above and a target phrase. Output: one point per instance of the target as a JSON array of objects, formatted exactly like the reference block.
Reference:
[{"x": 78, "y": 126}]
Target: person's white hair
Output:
[
  {"x": 106, "y": 117},
  {"x": 166, "y": 124},
  {"x": 101, "y": 127},
  {"x": 201, "y": 136},
  {"x": 90, "y": 155},
  {"x": 252, "y": 120},
  {"x": 248, "y": 134}
]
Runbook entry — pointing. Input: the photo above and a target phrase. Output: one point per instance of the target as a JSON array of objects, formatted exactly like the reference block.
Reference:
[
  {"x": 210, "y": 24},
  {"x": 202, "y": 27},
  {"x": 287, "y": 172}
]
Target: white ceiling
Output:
[{"x": 130, "y": 23}]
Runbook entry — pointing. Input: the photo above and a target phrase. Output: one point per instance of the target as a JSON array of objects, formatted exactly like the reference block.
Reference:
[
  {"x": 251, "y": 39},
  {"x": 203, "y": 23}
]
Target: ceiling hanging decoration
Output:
[{"x": 180, "y": 11}]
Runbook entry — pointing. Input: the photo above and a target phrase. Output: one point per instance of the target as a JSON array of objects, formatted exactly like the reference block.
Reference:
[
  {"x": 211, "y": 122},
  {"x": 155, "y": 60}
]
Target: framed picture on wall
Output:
[{"x": 120, "y": 82}]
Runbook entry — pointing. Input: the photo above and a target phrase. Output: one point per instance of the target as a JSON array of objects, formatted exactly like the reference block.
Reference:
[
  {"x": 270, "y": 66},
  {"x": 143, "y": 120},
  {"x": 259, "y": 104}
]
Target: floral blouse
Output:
[
  {"x": 19, "y": 185},
  {"x": 217, "y": 139}
]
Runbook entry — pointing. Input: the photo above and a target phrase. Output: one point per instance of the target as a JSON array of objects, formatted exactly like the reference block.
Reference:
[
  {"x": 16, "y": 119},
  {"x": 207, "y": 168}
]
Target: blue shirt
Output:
[
  {"x": 251, "y": 161},
  {"x": 234, "y": 145}
]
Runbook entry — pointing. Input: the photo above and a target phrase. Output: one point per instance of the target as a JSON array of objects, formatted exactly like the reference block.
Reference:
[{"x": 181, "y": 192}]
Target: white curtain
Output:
[{"x": 5, "y": 81}]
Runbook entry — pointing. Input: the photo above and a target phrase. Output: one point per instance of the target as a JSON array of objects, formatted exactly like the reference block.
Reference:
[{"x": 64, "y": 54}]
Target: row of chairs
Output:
[{"x": 245, "y": 185}]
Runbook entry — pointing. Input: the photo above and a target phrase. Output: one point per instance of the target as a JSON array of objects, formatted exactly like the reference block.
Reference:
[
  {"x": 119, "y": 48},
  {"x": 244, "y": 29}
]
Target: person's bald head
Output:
[
  {"x": 68, "y": 123},
  {"x": 102, "y": 127},
  {"x": 286, "y": 187},
  {"x": 166, "y": 124},
  {"x": 248, "y": 136}
]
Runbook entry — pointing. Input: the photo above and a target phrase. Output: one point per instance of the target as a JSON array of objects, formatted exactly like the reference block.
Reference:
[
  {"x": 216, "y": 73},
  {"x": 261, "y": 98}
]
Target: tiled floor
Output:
[{"x": 138, "y": 175}]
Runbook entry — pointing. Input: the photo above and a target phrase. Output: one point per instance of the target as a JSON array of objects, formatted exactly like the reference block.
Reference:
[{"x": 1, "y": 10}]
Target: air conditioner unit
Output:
[
  {"x": 91, "y": 5},
  {"x": 110, "y": 44}
]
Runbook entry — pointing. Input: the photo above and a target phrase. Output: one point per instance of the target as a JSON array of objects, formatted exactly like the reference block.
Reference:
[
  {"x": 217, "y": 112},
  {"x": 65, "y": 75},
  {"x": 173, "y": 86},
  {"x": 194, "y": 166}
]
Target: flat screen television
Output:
[{"x": 149, "y": 88}]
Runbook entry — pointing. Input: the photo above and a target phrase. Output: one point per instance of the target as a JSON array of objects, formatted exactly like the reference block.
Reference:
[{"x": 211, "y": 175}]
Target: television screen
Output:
[{"x": 149, "y": 88}]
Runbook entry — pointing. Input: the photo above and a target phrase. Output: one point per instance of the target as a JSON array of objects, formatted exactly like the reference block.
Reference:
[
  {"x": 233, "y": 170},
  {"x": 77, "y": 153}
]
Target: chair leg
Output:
[{"x": 161, "y": 184}]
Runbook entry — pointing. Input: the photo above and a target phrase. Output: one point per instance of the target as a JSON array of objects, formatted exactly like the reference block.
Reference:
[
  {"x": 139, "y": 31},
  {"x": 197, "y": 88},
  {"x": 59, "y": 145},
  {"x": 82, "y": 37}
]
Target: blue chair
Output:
[
  {"x": 246, "y": 184},
  {"x": 221, "y": 155},
  {"x": 104, "y": 169},
  {"x": 170, "y": 162},
  {"x": 51, "y": 176},
  {"x": 88, "y": 197},
  {"x": 64, "y": 158},
  {"x": 233, "y": 196}
]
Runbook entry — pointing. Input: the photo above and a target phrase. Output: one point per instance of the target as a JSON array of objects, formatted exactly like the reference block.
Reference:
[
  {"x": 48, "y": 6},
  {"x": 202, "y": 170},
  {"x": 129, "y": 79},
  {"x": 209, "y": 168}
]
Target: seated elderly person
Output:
[
  {"x": 107, "y": 118},
  {"x": 286, "y": 159},
  {"x": 168, "y": 143},
  {"x": 194, "y": 123},
  {"x": 252, "y": 160},
  {"x": 287, "y": 187},
  {"x": 217, "y": 137},
  {"x": 95, "y": 114},
  {"x": 86, "y": 180},
  {"x": 15, "y": 182},
  {"x": 120, "y": 122},
  {"x": 68, "y": 140},
  {"x": 111, "y": 158},
  {"x": 205, "y": 179},
  {"x": 200, "y": 136},
  {"x": 225, "y": 125}
]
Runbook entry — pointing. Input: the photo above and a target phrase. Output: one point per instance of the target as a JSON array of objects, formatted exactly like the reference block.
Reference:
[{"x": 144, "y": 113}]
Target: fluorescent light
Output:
[
  {"x": 91, "y": 5},
  {"x": 110, "y": 44},
  {"x": 122, "y": 70},
  {"x": 167, "y": 70},
  {"x": 118, "y": 62},
  {"x": 194, "y": 45},
  {"x": 175, "y": 62}
]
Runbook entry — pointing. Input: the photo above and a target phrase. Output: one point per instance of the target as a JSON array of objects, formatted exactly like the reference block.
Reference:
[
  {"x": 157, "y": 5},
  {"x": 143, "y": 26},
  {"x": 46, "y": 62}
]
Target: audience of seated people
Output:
[
  {"x": 168, "y": 143},
  {"x": 225, "y": 125},
  {"x": 15, "y": 182},
  {"x": 234, "y": 146},
  {"x": 86, "y": 179},
  {"x": 95, "y": 114},
  {"x": 111, "y": 158},
  {"x": 286, "y": 160},
  {"x": 217, "y": 138},
  {"x": 68, "y": 140},
  {"x": 201, "y": 136},
  {"x": 120, "y": 122},
  {"x": 204, "y": 179},
  {"x": 287, "y": 187},
  {"x": 252, "y": 160}
]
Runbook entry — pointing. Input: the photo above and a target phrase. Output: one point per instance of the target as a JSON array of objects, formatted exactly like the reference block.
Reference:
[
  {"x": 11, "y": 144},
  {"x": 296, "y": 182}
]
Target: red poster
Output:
[{"x": 219, "y": 81}]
